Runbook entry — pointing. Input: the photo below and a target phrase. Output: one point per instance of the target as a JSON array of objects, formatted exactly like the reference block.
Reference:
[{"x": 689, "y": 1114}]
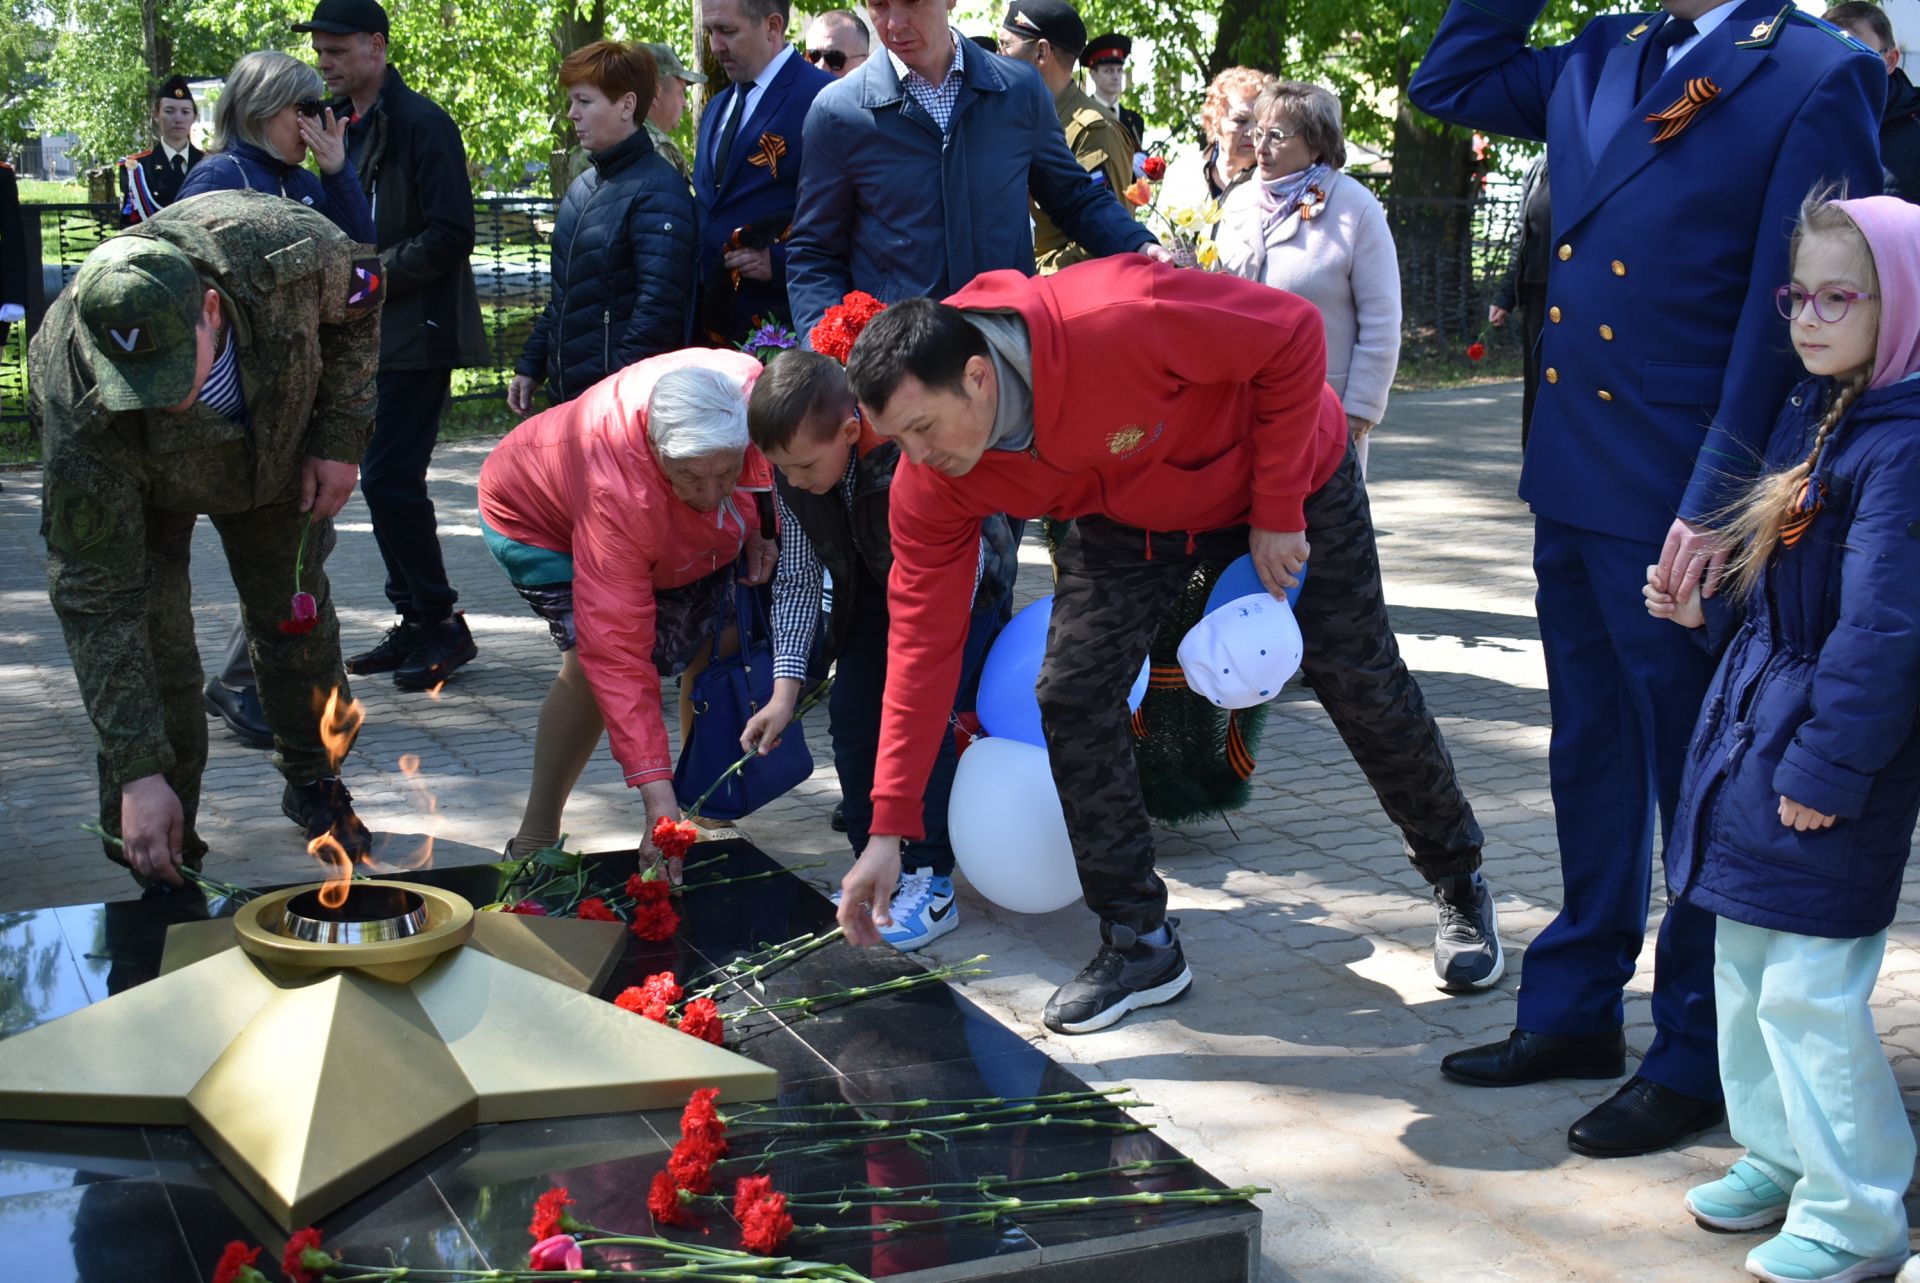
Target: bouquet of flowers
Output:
[
  {"x": 769, "y": 339},
  {"x": 1179, "y": 228},
  {"x": 835, "y": 334}
]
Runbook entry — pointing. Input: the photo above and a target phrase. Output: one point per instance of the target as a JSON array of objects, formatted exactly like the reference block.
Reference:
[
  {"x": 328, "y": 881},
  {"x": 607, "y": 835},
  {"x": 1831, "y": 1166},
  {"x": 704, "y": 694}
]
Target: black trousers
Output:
[
  {"x": 1109, "y": 597},
  {"x": 393, "y": 478},
  {"x": 1533, "y": 320}
]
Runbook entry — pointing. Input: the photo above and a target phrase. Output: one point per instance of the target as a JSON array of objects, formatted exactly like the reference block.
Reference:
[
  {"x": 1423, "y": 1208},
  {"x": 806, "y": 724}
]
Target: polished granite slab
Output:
[{"x": 93, "y": 1204}]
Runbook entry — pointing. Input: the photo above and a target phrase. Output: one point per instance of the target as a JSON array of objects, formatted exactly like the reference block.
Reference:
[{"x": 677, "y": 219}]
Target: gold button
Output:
[
  {"x": 1553, "y": 314},
  {"x": 1566, "y": 252},
  {"x": 1605, "y": 395},
  {"x": 1606, "y": 332},
  {"x": 1619, "y": 268},
  {"x": 1553, "y": 375}
]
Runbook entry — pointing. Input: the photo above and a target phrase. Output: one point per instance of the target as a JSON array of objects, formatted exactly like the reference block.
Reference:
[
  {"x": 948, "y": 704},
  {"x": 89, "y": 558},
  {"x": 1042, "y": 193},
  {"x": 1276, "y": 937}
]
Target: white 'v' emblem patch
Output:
[{"x": 126, "y": 343}]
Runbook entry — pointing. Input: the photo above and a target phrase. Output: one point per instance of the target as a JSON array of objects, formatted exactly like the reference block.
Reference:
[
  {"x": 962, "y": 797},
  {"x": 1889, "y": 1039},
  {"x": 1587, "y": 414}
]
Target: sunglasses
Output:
[
  {"x": 835, "y": 60},
  {"x": 311, "y": 106}
]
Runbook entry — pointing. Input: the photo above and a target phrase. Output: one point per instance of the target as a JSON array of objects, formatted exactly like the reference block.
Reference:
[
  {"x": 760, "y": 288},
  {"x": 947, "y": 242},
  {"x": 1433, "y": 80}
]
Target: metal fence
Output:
[{"x": 1453, "y": 255}]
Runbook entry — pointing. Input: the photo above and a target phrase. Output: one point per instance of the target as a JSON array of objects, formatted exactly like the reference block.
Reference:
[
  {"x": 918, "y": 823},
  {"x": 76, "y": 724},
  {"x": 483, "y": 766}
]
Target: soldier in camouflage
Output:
[{"x": 218, "y": 359}]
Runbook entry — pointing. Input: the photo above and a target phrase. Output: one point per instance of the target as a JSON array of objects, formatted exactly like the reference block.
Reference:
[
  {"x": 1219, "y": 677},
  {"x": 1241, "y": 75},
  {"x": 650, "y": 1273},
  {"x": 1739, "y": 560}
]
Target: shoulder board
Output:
[
  {"x": 1805, "y": 19},
  {"x": 1639, "y": 30},
  {"x": 139, "y": 156},
  {"x": 1767, "y": 31}
]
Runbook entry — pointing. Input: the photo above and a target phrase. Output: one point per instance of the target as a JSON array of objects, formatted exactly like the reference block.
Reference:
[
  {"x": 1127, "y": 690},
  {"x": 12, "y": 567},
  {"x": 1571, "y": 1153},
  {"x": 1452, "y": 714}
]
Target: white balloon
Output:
[{"x": 1009, "y": 835}]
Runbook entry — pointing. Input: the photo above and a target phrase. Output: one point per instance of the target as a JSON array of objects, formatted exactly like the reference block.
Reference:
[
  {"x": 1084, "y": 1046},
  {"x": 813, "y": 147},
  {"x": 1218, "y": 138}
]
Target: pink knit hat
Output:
[{"x": 1892, "y": 229}]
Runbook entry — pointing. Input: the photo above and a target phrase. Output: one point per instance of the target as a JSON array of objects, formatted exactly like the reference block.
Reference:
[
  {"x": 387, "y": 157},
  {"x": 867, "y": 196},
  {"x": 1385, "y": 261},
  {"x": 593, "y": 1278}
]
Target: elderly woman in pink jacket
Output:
[
  {"x": 1304, "y": 226},
  {"x": 620, "y": 517}
]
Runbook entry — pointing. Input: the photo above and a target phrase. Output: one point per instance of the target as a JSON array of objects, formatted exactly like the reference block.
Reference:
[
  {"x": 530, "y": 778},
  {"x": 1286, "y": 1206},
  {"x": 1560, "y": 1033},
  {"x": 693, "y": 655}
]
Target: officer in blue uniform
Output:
[{"x": 1682, "y": 143}]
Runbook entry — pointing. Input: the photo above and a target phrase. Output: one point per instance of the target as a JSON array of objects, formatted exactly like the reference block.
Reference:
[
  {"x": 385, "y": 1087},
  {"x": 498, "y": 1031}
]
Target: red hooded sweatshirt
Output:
[{"x": 1163, "y": 398}]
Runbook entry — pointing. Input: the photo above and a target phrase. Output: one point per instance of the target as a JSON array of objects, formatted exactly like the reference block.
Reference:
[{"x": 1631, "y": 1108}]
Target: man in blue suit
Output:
[
  {"x": 747, "y": 166},
  {"x": 1682, "y": 143},
  {"x": 918, "y": 166}
]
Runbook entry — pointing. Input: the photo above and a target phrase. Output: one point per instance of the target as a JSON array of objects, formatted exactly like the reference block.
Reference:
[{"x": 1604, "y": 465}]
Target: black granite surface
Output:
[{"x": 97, "y": 1204}]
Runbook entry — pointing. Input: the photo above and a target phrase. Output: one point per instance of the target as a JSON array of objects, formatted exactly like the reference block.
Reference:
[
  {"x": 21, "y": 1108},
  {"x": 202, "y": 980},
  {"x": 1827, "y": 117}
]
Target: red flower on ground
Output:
[
  {"x": 645, "y": 890},
  {"x": 304, "y": 1261},
  {"x": 527, "y": 909},
  {"x": 701, "y": 1019},
  {"x": 557, "y": 1253},
  {"x": 1476, "y": 351},
  {"x": 654, "y": 921},
  {"x": 663, "y": 1200},
  {"x": 690, "y": 1166},
  {"x": 550, "y": 1214},
  {"x": 840, "y": 327},
  {"x": 236, "y": 1264},
  {"x": 762, "y": 1213},
  {"x": 594, "y": 909},
  {"x": 662, "y": 988},
  {"x": 673, "y": 837},
  {"x": 633, "y": 998},
  {"x": 1155, "y": 168},
  {"x": 701, "y": 1121},
  {"x": 303, "y": 617}
]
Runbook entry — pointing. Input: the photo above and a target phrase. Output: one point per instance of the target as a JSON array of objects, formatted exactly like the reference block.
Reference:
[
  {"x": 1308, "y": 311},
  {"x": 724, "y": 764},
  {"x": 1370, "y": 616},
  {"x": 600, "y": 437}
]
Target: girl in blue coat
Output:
[{"x": 1802, "y": 783}]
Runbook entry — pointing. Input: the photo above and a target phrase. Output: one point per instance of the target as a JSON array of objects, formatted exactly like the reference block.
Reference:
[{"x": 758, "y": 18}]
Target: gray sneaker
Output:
[{"x": 1466, "y": 948}]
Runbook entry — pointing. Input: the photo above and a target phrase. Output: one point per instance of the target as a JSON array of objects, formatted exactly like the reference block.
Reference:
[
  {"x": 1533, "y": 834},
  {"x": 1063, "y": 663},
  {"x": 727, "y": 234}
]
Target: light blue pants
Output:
[{"x": 1809, "y": 1091}]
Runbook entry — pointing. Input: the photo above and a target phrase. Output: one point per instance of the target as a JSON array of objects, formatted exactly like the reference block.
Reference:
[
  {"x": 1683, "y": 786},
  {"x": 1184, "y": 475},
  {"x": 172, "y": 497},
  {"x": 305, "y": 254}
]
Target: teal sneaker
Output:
[
  {"x": 1788, "y": 1258},
  {"x": 923, "y": 910},
  {"x": 1743, "y": 1199}
]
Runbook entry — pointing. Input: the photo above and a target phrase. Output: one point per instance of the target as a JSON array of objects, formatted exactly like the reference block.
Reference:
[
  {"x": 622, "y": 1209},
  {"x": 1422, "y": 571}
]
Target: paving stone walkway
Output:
[{"x": 1306, "y": 1056}]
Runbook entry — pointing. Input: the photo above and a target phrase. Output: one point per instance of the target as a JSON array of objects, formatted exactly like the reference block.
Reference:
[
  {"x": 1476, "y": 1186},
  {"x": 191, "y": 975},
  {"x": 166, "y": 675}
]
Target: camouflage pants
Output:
[
  {"x": 294, "y": 672},
  {"x": 1113, "y": 584}
]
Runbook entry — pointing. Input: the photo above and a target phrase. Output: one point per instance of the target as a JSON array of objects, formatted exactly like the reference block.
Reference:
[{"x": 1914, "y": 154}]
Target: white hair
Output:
[{"x": 694, "y": 412}]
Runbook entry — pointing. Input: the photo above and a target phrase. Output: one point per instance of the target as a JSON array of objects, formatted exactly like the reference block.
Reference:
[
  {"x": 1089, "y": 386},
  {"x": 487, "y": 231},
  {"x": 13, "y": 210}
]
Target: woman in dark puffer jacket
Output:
[{"x": 623, "y": 244}]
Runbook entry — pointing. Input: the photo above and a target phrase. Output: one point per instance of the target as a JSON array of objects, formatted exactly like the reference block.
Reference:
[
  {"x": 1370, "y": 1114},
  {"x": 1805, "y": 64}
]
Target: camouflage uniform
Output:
[
  {"x": 1114, "y": 585},
  {"x": 123, "y": 491},
  {"x": 1101, "y": 145},
  {"x": 664, "y": 144}
]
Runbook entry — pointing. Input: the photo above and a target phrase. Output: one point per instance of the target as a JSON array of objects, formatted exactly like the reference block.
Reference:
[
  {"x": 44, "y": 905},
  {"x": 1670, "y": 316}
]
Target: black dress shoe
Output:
[
  {"x": 1530, "y": 1058},
  {"x": 441, "y": 648},
  {"x": 240, "y": 710},
  {"x": 1640, "y": 1118},
  {"x": 838, "y": 820}
]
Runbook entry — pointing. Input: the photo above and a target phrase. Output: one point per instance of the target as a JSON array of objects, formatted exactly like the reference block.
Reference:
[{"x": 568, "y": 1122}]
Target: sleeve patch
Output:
[
  {"x": 80, "y": 525},
  {"x": 366, "y": 285}
]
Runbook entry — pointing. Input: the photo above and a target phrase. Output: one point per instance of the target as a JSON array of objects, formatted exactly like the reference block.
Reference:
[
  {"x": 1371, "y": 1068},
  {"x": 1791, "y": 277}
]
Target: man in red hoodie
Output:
[{"x": 1177, "y": 417}]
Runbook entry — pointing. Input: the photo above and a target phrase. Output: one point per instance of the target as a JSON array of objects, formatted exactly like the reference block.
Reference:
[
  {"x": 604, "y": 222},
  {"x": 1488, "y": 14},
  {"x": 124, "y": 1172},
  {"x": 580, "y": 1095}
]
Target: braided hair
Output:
[{"x": 1777, "y": 507}]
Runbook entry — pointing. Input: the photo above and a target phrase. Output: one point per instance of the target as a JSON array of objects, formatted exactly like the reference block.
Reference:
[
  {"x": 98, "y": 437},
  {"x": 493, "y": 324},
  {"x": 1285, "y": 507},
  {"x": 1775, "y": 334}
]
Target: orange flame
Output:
[
  {"x": 339, "y": 726},
  {"x": 433, "y": 691},
  {"x": 333, "y": 892},
  {"x": 427, "y": 804}
]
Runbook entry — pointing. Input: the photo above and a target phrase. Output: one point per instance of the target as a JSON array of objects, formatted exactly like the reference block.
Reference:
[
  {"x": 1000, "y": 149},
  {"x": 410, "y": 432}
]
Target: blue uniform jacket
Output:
[
  {"x": 243, "y": 165},
  {"x": 890, "y": 207},
  {"x": 1663, "y": 358},
  {"x": 1817, "y": 695},
  {"x": 760, "y": 183}
]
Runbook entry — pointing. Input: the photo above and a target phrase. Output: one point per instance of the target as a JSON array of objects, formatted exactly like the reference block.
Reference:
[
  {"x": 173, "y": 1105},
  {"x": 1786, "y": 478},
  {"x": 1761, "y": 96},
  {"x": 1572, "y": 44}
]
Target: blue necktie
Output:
[{"x": 1671, "y": 33}]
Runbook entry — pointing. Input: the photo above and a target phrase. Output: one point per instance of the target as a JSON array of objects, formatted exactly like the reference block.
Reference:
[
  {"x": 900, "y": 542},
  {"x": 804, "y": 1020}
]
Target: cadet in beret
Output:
[
  {"x": 219, "y": 358},
  {"x": 1105, "y": 59},
  {"x": 149, "y": 180},
  {"x": 1048, "y": 35}
]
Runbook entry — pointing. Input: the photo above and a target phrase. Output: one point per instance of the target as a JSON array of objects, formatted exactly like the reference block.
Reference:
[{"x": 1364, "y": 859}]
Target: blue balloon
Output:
[
  {"x": 1006, "y": 704},
  {"x": 1240, "y": 579}
]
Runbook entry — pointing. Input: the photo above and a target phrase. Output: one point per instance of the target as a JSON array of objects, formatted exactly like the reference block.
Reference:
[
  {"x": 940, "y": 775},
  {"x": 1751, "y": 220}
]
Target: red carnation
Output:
[
  {"x": 557, "y": 1253},
  {"x": 691, "y": 1164},
  {"x": 1154, "y": 167},
  {"x": 673, "y": 837},
  {"x": 594, "y": 909},
  {"x": 663, "y": 1200},
  {"x": 304, "y": 1261},
  {"x": 701, "y": 1121},
  {"x": 304, "y": 615},
  {"x": 550, "y": 1214},
  {"x": 645, "y": 890},
  {"x": 1476, "y": 351},
  {"x": 654, "y": 921},
  {"x": 762, "y": 1213},
  {"x": 527, "y": 909},
  {"x": 840, "y": 327},
  {"x": 633, "y": 998},
  {"x": 236, "y": 1265},
  {"x": 702, "y": 1019},
  {"x": 662, "y": 988}
]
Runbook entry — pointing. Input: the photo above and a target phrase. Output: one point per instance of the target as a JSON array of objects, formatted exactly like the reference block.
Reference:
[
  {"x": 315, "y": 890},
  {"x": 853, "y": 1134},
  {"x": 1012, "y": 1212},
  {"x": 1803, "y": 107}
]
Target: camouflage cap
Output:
[
  {"x": 670, "y": 65},
  {"x": 138, "y": 301}
]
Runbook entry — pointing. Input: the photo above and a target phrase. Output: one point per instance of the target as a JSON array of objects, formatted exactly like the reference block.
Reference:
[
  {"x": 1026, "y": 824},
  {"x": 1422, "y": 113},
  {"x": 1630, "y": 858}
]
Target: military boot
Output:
[{"x": 323, "y": 807}]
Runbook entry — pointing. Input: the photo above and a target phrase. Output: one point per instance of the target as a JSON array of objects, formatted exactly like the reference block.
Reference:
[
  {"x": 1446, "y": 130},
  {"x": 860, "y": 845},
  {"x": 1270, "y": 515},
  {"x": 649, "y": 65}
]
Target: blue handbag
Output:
[{"x": 725, "y": 694}]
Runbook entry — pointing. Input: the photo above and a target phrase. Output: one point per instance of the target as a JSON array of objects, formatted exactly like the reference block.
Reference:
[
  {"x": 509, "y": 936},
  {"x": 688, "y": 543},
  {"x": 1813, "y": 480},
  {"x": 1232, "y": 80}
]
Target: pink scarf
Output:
[{"x": 1892, "y": 229}]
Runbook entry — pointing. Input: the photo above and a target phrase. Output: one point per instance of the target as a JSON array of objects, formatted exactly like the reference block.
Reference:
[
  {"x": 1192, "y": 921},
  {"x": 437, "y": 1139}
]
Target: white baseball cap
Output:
[{"x": 1243, "y": 651}]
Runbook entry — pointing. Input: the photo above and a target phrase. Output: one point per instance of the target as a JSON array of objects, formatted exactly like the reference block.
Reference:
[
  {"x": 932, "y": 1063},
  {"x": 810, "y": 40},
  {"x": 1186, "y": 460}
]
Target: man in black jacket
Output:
[
  {"x": 1900, "y": 119},
  {"x": 413, "y": 165}
]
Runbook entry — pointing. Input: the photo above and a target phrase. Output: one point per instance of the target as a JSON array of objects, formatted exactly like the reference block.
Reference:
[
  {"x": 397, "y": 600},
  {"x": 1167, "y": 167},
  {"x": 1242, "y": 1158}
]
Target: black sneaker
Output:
[
  {"x": 1466, "y": 946},
  {"x": 388, "y": 653},
  {"x": 240, "y": 710},
  {"x": 324, "y": 806},
  {"x": 1125, "y": 974},
  {"x": 442, "y": 647},
  {"x": 838, "y": 820}
]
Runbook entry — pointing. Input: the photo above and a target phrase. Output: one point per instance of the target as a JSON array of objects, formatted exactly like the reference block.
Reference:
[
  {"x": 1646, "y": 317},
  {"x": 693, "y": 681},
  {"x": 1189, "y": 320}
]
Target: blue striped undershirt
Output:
[{"x": 222, "y": 389}]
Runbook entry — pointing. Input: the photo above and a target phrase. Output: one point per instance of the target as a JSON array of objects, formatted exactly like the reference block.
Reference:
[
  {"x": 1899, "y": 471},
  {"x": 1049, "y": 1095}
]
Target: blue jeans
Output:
[{"x": 853, "y": 709}]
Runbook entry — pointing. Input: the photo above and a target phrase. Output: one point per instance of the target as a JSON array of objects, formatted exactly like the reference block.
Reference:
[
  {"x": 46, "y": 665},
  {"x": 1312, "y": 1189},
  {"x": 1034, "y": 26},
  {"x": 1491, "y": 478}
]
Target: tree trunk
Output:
[
  {"x": 1251, "y": 33},
  {"x": 156, "y": 50},
  {"x": 1430, "y": 209}
]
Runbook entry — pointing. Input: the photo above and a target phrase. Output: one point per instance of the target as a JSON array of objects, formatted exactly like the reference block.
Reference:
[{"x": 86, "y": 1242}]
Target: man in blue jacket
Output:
[
  {"x": 1682, "y": 143},
  {"x": 918, "y": 166},
  {"x": 747, "y": 166}
]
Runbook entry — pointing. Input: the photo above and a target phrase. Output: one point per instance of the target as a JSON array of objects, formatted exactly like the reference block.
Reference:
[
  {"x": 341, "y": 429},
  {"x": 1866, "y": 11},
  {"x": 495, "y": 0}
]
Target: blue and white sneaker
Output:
[{"x": 923, "y": 910}]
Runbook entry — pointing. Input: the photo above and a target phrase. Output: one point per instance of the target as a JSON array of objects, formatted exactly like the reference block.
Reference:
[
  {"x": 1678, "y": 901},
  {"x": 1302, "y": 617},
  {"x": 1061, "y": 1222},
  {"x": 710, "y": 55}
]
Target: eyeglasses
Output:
[
  {"x": 311, "y": 106},
  {"x": 1274, "y": 137},
  {"x": 1830, "y": 303},
  {"x": 834, "y": 59}
]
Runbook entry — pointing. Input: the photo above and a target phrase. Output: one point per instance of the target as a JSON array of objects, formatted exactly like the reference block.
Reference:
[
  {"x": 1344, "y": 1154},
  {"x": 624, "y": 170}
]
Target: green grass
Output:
[{"x": 35, "y": 191}]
